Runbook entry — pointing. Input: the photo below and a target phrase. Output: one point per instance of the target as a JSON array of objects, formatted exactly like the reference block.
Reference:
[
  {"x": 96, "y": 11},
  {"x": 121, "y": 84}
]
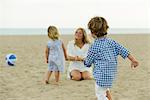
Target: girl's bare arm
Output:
[
  {"x": 65, "y": 53},
  {"x": 46, "y": 54}
]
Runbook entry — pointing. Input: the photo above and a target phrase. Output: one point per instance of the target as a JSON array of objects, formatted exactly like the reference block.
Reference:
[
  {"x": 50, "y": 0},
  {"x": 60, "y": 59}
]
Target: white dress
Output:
[{"x": 73, "y": 50}]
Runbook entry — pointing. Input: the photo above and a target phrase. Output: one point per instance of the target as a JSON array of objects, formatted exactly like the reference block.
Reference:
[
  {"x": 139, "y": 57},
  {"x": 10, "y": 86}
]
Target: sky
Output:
[{"x": 73, "y": 13}]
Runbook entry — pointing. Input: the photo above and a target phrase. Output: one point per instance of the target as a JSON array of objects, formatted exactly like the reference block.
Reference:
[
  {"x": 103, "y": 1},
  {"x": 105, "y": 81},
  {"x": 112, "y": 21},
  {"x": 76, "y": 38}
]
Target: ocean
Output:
[{"x": 63, "y": 31}]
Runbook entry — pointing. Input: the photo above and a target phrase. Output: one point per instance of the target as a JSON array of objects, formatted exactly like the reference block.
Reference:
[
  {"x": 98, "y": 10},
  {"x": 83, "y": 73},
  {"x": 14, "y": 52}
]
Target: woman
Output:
[{"x": 77, "y": 50}]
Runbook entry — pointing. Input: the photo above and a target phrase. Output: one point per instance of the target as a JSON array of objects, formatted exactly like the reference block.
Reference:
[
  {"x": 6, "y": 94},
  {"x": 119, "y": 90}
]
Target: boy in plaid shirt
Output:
[{"x": 103, "y": 54}]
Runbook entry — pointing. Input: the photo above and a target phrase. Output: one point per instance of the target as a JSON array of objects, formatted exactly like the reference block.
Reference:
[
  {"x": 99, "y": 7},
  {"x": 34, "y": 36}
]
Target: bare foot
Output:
[{"x": 46, "y": 82}]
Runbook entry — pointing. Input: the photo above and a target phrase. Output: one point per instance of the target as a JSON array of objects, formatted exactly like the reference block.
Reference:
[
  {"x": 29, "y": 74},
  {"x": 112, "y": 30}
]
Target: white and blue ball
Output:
[{"x": 11, "y": 59}]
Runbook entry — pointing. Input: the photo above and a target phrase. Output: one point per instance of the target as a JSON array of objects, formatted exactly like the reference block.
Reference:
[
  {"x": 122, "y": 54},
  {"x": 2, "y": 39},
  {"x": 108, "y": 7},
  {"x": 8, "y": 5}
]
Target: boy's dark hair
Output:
[{"x": 98, "y": 26}]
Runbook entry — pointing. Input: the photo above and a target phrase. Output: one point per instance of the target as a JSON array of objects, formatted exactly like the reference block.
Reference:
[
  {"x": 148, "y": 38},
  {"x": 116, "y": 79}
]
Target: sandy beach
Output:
[{"x": 24, "y": 81}]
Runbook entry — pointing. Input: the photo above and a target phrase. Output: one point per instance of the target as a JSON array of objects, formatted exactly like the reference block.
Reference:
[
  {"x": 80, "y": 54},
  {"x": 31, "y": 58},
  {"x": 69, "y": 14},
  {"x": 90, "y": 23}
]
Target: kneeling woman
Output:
[{"x": 77, "y": 50}]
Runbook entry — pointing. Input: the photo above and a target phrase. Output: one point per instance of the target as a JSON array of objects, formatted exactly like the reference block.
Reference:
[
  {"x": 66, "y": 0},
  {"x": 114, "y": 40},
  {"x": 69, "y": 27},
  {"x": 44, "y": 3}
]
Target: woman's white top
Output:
[{"x": 73, "y": 50}]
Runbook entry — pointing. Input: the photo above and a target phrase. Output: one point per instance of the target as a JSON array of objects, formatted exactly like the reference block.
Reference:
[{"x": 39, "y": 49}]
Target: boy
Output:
[{"x": 103, "y": 54}]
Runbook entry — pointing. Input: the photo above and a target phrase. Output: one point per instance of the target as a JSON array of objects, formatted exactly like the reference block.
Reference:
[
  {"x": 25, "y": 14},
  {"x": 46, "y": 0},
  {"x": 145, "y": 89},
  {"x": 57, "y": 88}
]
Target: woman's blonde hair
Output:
[
  {"x": 85, "y": 38},
  {"x": 98, "y": 26},
  {"x": 53, "y": 33}
]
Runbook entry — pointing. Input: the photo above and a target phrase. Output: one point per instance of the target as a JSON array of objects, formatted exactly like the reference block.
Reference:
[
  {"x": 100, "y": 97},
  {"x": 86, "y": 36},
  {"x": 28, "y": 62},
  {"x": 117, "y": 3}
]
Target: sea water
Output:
[{"x": 63, "y": 31}]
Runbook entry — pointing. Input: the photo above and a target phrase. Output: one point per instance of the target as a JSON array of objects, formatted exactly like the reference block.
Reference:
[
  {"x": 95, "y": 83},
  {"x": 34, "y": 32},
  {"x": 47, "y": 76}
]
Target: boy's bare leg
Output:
[{"x": 108, "y": 95}]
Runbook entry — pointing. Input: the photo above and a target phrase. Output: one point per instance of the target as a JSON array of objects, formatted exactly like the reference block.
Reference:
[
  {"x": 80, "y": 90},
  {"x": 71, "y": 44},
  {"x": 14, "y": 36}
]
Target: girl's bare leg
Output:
[
  {"x": 48, "y": 75},
  {"x": 57, "y": 75}
]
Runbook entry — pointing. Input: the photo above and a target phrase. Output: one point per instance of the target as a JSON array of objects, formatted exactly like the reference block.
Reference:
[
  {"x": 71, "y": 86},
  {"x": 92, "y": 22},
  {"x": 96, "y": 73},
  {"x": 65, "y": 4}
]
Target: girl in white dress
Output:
[{"x": 55, "y": 54}]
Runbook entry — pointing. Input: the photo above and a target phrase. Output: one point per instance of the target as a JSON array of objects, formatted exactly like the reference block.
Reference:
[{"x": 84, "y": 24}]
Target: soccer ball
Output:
[{"x": 11, "y": 59}]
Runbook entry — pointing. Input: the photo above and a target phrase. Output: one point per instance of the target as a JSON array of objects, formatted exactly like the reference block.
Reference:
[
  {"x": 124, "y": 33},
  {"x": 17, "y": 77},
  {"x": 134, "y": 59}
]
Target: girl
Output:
[{"x": 55, "y": 54}]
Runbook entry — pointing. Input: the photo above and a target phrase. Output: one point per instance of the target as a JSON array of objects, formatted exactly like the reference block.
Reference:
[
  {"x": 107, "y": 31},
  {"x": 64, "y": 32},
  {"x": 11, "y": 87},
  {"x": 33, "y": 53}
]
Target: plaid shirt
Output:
[{"x": 103, "y": 54}]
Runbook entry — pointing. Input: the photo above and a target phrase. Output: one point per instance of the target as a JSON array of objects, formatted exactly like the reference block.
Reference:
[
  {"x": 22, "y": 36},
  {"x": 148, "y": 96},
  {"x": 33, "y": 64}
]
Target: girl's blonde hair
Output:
[
  {"x": 98, "y": 26},
  {"x": 85, "y": 38},
  {"x": 53, "y": 33}
]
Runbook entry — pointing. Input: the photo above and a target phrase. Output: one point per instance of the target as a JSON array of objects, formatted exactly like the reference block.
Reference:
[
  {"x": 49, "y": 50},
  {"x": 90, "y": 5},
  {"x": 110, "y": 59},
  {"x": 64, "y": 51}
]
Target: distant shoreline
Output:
[
  {"x": 66, "y": 31},
  {"x": 69, "y": 34}
]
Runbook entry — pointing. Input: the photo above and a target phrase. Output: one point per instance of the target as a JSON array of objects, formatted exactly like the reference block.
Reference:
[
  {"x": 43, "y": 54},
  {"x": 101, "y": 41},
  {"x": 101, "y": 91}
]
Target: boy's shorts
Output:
[{"x": 100, "y": 92}]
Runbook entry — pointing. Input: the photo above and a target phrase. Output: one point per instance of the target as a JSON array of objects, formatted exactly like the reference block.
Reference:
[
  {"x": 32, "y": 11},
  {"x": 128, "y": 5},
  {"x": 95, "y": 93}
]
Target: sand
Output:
[{"x": 24, "y": 81}]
